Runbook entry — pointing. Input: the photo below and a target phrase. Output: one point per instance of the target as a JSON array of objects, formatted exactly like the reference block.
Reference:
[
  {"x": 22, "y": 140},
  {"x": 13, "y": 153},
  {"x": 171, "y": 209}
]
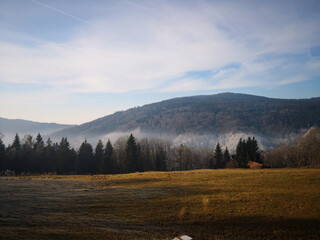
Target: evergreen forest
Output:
[{"x": 129, "y": 154}]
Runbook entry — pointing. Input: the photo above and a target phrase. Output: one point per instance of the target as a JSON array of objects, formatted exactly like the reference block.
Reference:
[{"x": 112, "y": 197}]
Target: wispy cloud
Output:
[
  {"x": 139, "y": 51},
  {"x": 295, "y": 79}
]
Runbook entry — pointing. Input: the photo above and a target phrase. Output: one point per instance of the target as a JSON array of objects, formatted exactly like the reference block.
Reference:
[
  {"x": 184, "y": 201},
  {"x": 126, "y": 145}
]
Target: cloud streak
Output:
[{"x": 60, "y": 11}]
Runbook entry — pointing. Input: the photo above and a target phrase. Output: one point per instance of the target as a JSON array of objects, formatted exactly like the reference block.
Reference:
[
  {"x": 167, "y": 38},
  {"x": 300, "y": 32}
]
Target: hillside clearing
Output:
[{"x": 204, "y": 204}]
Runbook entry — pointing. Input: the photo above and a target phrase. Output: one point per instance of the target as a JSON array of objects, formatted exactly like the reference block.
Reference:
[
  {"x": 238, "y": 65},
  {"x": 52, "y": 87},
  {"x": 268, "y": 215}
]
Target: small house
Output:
[{"x": 255, "y": 165}]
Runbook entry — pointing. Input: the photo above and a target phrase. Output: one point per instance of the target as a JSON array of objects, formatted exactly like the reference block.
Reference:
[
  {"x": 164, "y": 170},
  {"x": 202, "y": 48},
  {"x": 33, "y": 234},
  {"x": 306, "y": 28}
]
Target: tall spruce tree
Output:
[
  {"x": 2, "y": 155},
  {"x": 49, "y": 156},
  {"x": 16, "y": 144},
  {"x": 226, "y": 157},
  {"x": 100, "y": 158},
  {"x": 131, "y": 155},
  {"x": 111, "y": 164},
  {"x": 15, "y": 155},
  {"x": 86, "y": 158},
  {"x": 66, "y": 157},
  {"x": 253, "y": 152},
  {"x": 241, "y": 154},
  {"x": 39, "y": 154},
  {"x": 218, "y": 156}
]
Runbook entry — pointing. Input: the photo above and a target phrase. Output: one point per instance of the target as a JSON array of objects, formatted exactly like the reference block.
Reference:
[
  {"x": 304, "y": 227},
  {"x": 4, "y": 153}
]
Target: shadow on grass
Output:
[
  {"x": 253, "y": 227},
  {"x": 256, "y": 227},
  {"x": 133, "y": 181}
]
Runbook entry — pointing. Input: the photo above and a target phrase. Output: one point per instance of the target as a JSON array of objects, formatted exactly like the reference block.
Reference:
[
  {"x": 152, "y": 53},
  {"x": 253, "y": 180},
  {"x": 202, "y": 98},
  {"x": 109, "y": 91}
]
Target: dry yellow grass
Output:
[{"x": 205, "y": 204}]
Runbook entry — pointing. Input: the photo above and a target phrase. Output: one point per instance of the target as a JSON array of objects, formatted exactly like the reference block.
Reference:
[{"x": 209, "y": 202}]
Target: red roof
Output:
[{"x": 252, "y": 164}]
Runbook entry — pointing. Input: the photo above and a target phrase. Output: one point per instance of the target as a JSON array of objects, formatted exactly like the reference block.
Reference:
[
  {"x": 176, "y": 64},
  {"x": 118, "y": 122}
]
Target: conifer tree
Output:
[
  {"x": 39, "y": 154},
  {"x": 2, "y": 155},
  {"x": 247, "y": 151},
  {"x": 16, "y": 144},
  {"x": 66, "y": 157},
  {"x": 241, "y": 153},
  {"x": 15, "y": 155},
  {"x": 218, "y": 156},
  {"x": 226, "y": 157},
  {"x": 49, "y": 156},
  {"x": 131, "y": 155},
  {"x": 111, "y": 164},
  {"x": 99, "y": 156},
  {"x": 86, "y": 158},
  {"x": 253, "y": 152}
]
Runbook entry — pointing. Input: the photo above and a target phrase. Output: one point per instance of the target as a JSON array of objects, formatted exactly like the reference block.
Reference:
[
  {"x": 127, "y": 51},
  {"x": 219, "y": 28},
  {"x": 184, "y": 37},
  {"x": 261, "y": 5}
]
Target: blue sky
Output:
[{"x": 72, "y": 61}]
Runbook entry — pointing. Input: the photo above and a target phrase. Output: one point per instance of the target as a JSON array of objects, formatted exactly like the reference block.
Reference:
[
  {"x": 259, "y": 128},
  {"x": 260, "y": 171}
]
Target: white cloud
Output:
[{"x": 149, "y": 47}]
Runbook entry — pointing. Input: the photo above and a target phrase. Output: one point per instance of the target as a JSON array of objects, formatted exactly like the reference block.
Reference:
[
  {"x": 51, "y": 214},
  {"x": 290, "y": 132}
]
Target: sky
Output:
[{"x": 72, "y": 61}]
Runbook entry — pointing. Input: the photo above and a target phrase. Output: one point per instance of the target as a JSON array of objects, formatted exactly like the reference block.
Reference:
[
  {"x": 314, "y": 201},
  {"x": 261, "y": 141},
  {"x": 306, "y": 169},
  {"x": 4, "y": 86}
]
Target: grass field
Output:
[{"x": 204, "y": 204}]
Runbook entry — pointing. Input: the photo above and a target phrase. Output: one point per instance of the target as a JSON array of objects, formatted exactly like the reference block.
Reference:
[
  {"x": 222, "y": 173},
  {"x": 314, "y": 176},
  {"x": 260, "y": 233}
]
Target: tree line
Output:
[
  {"x": 126, "y": 155},
  {"x": 302, "y": 152}
]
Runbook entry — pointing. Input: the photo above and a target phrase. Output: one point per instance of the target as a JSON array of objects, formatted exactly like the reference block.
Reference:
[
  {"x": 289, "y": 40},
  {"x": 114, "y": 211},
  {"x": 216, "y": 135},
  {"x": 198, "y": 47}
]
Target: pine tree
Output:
[
  {"x": 226, "y": 157},
  {"x": 241, "y": 153},
  {"x": 86, "y": 158},
  {"x": 39, "y": 145},
  {"x": 16, "y": 145},
  {"x": 66, "y": 157},
  {"x": 247, "y": 151},
  {"x": 100, "y": 157},
  {"x": 111, "y": 164},
  {"x": 253, "y": 150},
  {"x": 131, "y": 155},
  {"x": 50, "y": 152},
  {"x": 218, "y": 156},
  {"x": 15, "y": 155},
  {"x": 39, "y": 154},
  {"x": 2, "y": 155}
]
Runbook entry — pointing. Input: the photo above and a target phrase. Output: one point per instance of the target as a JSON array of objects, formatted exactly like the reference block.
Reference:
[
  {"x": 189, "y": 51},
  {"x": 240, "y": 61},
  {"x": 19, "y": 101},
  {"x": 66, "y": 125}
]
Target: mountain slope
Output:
[
  {"x": 213, "y": 114},
  {"x": 9, "y": 127}
]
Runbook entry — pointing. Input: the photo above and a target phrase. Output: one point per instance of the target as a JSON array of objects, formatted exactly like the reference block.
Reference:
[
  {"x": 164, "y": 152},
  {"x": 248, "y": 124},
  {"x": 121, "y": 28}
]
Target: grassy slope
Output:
[{"x": 205, "y": 204}]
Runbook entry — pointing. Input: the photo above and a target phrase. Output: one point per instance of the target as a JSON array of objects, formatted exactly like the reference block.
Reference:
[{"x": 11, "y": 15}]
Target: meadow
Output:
[{"x": 204, "y": 204}]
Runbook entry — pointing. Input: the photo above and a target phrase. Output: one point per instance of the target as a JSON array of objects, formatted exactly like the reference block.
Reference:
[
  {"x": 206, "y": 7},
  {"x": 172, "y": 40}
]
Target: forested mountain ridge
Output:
[
  {"x": 212, "y": 114},
  {"x": 9, "y": 127}
]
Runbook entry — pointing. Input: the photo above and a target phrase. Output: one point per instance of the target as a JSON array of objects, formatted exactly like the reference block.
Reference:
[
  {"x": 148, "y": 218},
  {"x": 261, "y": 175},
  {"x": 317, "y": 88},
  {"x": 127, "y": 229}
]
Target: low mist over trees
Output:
[
  {"x": 303, "y": 152},
  {"x": 129, "y": 154}
]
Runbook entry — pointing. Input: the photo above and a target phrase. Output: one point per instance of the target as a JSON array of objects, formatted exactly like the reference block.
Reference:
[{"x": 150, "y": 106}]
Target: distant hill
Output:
[
  {"x": 9, "y": 127},
  {"x": 213, "y": 114}
]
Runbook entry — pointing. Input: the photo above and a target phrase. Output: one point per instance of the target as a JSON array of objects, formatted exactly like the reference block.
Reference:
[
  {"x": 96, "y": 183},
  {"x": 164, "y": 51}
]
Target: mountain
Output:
[
  {"x": 217, "y": 115},
  {"x": 9, "y": 127}
]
